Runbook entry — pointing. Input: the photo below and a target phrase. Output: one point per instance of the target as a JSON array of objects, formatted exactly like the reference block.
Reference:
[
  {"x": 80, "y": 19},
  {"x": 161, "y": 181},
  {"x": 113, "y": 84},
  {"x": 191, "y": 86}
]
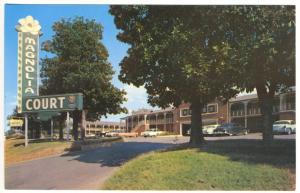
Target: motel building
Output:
[
  {"x": 242, "y": 109},
  {"x": 98, "y": 127}
]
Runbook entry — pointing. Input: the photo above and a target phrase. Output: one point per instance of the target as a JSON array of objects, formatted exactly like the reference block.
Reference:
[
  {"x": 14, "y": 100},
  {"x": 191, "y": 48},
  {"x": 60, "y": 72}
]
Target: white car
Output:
[
  {"x": 284, "y": 126},
  {"x": 209, "y": 129},
  {"x": 111, "y": 134},
  {"x": 90, "y": 135},
  {"x": 150, "y": 133}
]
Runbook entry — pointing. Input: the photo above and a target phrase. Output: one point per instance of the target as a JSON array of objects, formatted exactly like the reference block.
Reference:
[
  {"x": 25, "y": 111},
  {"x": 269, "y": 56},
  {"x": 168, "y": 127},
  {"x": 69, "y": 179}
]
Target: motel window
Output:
[
  {"x": 212, "y": 108},
  {"x": 186, "y": 112},
  {"x": 276, "y": 105},
  {"x": 290, "y": 102}
]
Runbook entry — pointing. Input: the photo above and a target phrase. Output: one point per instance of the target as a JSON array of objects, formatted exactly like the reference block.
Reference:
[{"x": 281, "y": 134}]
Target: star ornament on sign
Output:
[{"x": 29, "y": 24}]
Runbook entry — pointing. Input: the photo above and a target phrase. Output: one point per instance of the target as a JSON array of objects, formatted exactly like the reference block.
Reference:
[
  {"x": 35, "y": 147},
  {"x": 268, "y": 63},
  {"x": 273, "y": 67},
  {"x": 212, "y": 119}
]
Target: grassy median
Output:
[
  {"x": 16, "y": 152},
  {"x": 217, "y": 165}
]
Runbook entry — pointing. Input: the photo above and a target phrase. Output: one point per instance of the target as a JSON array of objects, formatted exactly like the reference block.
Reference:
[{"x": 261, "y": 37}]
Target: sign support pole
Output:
[
  {"x": 68, "y": 126},
  {"x": 51, "y": 129},
  {"x": 26, "y": 130}
]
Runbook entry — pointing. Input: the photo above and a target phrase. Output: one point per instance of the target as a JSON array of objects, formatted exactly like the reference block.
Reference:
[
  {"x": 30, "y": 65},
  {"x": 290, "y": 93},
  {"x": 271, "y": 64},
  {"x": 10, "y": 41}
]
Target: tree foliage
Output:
[
  {"x": 79, "y": 63},
  {"x": 197, "y": 53},
  {"x": 265, "y": 39},
  {"x": 179, "y": 53}
]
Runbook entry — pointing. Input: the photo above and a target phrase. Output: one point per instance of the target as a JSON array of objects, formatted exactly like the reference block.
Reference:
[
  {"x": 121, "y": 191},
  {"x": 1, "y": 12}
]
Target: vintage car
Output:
[
  {"x": 209, "y": 129},
  {"x": 284, "y": 126},
  {"x": 230, "y": 129},
  {"x": 151, "y": 133},
  {"x": 113, "y": 133}
]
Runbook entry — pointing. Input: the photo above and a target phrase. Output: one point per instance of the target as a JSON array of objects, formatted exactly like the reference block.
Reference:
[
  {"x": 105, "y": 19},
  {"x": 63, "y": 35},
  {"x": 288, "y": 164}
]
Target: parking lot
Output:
[{"x": 185, "y": 139}]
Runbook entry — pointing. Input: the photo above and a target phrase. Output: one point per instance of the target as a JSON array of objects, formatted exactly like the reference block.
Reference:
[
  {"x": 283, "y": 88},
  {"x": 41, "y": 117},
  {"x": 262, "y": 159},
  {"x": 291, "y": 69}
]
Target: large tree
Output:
[
  {"x": 264, "y": 37},
  {"x": 79, "y": 63},
  {"x": 179, "y": 53}
]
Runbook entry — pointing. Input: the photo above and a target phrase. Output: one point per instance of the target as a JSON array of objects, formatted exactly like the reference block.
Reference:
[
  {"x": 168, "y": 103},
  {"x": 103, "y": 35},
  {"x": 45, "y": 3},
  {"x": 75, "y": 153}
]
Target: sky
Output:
[{"x": 47, "y": 15}]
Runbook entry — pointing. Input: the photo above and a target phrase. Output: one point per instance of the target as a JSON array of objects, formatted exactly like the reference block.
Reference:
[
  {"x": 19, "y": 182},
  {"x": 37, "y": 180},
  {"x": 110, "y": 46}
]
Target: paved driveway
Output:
[
  {"x": 88, "y": 169},
  {"x": 79, "y": 170}
]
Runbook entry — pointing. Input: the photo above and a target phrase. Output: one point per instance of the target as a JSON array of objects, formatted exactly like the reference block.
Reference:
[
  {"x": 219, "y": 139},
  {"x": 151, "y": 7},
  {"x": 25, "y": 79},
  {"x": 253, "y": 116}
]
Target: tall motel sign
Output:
[{"x": 28, "y": 99}]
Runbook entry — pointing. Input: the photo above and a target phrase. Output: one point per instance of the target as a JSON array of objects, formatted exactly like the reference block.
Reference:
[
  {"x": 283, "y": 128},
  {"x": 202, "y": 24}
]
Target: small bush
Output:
[{"x": 15, "y": 136}]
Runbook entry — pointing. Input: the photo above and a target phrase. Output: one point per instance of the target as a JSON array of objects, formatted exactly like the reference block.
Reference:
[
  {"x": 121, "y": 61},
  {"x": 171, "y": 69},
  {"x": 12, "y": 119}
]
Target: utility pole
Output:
[
  {"x": 26, "y": 130},
  {"x": 51, "y": 129},
  {"x": 68, "y": 126}
]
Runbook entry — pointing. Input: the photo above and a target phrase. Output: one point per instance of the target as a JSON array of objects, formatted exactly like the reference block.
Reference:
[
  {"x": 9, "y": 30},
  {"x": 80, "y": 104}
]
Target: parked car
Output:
[
  {"x": 101, "y": 134},
  {"x": 151, "y": 133},
  {"x": 284, "y": 126},
  {"x": 188, "y": 132},
  {"x": 230, "y": 129},
  {"x": 209, "y": 129},
  {"x": 113, "y": 133},
  {"x": 90, "y": 135}
]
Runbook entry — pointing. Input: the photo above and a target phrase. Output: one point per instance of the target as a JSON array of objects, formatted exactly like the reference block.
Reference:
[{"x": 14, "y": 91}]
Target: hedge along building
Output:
[{"x": 242, "y": 109}]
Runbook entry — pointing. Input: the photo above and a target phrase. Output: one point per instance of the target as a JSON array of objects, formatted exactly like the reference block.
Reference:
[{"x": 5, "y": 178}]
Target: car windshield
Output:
[
  {"x": 281, "y": 122},
  {"x": 227, "y": 125},
  {"x": 210, "y": 126}
]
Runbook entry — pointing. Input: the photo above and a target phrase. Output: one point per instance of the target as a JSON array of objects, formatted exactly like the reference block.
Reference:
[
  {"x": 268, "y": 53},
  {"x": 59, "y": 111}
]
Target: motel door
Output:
[{"x": 185, "y": 128}]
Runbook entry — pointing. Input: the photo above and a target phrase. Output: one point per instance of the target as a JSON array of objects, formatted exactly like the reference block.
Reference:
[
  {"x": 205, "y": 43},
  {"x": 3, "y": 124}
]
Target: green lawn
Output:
[
  {"x": 16, "y": 152},
  {"x": 218, "y": 165}
]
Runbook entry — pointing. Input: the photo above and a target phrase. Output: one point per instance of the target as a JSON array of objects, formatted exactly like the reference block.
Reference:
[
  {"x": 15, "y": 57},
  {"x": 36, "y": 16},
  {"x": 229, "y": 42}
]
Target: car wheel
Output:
[{"x": 289, "y": 131}]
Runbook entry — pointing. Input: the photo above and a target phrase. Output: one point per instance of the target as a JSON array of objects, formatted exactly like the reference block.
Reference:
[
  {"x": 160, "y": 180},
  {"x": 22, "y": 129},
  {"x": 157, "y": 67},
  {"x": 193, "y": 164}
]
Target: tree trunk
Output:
[
  {"x": 266, "y": 106},
  {"x": 61, "y": 122},
  {"x": 61, "y": 133},
  {"x": 83, "y": 124},
  {"x": 75, "y": 124},
  {"x": 196, "y": 125}
]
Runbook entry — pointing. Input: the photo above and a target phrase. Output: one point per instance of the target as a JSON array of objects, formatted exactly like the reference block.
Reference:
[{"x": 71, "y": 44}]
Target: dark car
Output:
[
  {"x": 230, "y": 129},
  {"x": 188, "y": 131}
]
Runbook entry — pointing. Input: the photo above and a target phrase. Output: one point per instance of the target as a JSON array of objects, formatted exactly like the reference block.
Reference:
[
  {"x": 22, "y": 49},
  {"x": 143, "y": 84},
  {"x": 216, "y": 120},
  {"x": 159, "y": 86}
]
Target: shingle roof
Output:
[
  {"x": 243, "y": 97},
  {"x": 109, "y": 123},
  {"x": 148, "y": 112}
]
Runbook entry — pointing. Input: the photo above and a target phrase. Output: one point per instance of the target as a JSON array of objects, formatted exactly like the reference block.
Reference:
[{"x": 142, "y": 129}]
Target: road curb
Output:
[
  {"x": 39, "y": 158},
  {"x": 170, "y": 136}
]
